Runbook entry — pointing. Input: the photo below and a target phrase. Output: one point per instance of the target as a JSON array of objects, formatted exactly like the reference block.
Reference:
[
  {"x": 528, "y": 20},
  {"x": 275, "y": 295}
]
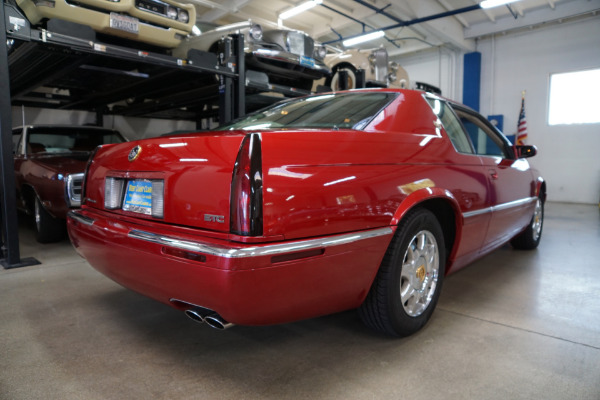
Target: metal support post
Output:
[
  {"x": 10, "y": 256},
  {"x": 225, "y": 83},
  {"x": 239, "y": 89}
]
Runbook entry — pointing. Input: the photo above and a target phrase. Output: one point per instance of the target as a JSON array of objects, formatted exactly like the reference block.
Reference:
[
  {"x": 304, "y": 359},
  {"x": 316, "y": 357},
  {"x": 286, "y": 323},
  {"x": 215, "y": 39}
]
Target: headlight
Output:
[
  {"x": 321, "y": 52},
  {"x": 255, "y": 32},
  {"x": 183, "y": 16},
  {"x": 392, "y": 77},
  {"x": 172, "y": 12}
]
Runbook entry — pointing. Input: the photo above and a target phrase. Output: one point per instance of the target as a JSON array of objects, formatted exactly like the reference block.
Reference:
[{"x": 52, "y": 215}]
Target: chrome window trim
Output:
[
  {"x": 258, "y": 251},
  {"x": 500, "y": 207}
]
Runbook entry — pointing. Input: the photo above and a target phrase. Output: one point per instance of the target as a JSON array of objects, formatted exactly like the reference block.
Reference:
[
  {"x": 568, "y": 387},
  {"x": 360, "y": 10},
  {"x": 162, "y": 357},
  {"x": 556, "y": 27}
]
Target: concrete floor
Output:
[{"x": 514, "y": 325}]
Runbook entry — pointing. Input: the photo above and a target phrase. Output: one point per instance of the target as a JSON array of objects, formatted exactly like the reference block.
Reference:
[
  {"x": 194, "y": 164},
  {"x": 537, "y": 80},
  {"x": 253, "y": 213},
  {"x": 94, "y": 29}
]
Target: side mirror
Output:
[{"x": 525, "y": 151}]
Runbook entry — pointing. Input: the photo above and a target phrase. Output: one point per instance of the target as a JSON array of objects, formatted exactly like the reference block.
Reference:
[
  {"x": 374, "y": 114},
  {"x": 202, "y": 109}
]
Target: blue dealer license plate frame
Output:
[{"x": 138, "y": 196}]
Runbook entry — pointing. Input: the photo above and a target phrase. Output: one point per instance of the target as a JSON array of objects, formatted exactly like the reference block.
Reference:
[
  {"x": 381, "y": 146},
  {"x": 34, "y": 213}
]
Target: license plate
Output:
[
  {"x": 124, "y": 23},
  {"x": 138, "y": 197},
  {"x": 307, "y": 61}
]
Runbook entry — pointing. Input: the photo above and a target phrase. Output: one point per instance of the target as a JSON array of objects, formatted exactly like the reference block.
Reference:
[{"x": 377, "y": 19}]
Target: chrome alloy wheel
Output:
[
  {"x": 420, "y": 271},
  {"x": 538, "y": 215}
]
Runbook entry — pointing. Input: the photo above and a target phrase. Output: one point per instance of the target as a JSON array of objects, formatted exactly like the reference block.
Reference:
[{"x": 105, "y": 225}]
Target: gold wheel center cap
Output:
[{"x": 420, "y": 273}]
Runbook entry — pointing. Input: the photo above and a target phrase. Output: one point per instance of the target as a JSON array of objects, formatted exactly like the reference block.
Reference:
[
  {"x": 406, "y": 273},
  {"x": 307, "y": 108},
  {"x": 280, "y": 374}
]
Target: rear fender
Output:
[
  {"x": 540, "y": 188},
  {"x": 444, "y": 206}
]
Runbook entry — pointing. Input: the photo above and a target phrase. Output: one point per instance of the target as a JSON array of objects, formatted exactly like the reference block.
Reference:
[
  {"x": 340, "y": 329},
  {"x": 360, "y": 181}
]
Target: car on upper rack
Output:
[
  {"x": 49, "y": 162},
  {"x": 162, "y": 23},
  {"x": 379, "y": 72},
  {"x": 357, "y": 199},
  {"x": 289, "y": 57}
]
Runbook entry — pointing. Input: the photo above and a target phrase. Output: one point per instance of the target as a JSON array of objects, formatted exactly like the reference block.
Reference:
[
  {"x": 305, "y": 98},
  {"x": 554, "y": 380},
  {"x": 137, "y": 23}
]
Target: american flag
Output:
[{"x": 522, "y": 124}]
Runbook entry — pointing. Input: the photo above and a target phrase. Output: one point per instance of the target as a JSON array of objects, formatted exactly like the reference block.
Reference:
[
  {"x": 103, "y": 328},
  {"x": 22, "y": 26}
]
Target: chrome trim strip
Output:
[
  {"x": 258, "y": 251},
  {"x": 81, "y": 218},
  {"x": 515, "y": 203},
  {"x": 477, "y": 212},
  {"x": 500, "y": 207}
]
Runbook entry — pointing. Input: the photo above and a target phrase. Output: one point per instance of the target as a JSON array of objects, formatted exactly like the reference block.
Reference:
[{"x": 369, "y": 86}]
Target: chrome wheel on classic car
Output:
[{"x": 410, "y": 278}]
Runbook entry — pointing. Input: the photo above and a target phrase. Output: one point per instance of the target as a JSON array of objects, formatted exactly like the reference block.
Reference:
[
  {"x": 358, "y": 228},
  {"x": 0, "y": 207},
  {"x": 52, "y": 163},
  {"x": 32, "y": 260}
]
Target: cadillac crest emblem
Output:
[{"x": 134, "y": 153}]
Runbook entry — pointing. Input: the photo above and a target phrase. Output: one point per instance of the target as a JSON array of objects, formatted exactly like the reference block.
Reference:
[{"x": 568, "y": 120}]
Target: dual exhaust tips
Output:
[
  {"x": 201, "y": 314},
  {"x": 212, "y": 320}
]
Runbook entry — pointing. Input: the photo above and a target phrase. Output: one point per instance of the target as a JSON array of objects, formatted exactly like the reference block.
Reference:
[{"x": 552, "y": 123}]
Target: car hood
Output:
[{"x": 62, "y": 163}]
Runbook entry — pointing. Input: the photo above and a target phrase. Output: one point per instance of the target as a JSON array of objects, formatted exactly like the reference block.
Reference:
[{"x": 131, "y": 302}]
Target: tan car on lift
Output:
[
  {"x": 378, "y": 71},
  {"x": 163, "y": 23}
]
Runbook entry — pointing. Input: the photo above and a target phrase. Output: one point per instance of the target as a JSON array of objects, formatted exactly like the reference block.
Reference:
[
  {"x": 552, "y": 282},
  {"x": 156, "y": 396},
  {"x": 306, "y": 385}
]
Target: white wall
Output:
[
  {"x": 569, "y": 155},
  {"x": 131, "y": 128},
  {"x": 437, "y": 67}
]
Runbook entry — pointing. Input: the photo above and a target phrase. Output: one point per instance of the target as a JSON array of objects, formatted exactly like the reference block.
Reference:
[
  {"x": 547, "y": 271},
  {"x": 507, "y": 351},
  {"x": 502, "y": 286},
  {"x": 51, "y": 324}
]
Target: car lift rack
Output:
[{"x": 66, "y": 66}]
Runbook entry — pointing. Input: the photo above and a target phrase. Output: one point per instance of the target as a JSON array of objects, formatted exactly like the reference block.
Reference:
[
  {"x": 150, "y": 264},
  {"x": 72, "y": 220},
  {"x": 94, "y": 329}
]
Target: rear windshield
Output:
[
  {"x": 65, "y": 140},
  {"x": 333, "y": 111}
]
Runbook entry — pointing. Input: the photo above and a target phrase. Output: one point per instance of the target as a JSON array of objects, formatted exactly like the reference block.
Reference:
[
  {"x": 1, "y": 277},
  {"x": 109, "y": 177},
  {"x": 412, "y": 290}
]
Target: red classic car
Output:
[
  {"x": 49, "y": 163},
  {"x": 360, "y": 199}
]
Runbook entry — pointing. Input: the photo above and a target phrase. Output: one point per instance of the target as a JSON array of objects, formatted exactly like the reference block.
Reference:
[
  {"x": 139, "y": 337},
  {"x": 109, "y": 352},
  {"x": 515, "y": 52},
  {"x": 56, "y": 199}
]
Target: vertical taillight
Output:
[{"x": 247, "y": 188}]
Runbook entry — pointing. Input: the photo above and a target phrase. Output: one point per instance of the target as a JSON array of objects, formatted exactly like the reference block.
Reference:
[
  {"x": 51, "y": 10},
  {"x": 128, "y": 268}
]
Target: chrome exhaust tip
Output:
[
  {"x": 215, "y": 321},
  {"x": 194, "y": 315}
]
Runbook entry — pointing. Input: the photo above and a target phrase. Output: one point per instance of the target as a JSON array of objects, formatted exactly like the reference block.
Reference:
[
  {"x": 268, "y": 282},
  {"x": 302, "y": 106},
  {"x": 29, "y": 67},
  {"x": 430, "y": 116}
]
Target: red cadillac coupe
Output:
[{"x": 361, "y": 199}]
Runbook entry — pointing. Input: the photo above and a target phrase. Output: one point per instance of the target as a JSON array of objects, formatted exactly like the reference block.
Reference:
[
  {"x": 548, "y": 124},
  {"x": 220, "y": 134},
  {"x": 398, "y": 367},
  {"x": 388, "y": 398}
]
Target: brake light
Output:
[{"x": 247, "y": 188}]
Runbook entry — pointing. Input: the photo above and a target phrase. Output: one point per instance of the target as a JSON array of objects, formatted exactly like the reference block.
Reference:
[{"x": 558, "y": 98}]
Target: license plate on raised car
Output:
[
  {"x": 307, "y": 61},
  {"x": 124, "y": 23},
  {"x": 138, "y": 197}
]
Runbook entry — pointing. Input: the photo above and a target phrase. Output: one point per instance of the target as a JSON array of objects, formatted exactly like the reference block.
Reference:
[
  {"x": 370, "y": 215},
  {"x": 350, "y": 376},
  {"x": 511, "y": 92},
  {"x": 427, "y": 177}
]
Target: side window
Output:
[
  {"x": 16, "y": 141},
  {"x": 485, "y": 141},
  {"x": 451, "y": 125}
]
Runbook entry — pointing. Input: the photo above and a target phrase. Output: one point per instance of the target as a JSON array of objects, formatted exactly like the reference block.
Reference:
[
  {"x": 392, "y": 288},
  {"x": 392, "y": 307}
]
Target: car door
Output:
[
  {"x": 467, "y": 181},
  {"x": 510, "y": 179}
]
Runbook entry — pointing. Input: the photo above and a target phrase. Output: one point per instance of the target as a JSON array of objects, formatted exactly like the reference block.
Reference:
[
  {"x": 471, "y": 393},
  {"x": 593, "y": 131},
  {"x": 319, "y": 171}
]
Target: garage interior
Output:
[{"x": 514, "y": 324}]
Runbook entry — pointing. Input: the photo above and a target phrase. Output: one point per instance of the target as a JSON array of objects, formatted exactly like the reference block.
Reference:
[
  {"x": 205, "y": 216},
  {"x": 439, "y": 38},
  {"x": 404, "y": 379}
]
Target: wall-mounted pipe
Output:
[
  {"x": 412, "y": 21},
  {"x": 355, "y": 20}
]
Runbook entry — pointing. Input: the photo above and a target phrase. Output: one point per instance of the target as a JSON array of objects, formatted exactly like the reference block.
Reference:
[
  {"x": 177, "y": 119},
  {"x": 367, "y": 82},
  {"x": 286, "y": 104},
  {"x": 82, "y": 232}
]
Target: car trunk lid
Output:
[{"x": 188, "y": 176}]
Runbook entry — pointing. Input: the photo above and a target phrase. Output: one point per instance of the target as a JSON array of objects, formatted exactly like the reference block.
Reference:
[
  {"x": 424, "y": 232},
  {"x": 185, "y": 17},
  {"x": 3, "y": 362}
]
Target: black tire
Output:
[
  {"x": 47, "y": 228},
  {"x": 384, "y": 310},
  {"x": 530, "y": 238}
]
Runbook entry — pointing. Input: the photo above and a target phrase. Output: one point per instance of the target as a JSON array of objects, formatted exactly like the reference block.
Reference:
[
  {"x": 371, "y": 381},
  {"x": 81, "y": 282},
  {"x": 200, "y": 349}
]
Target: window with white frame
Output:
[{"x": 574, "y": 98}]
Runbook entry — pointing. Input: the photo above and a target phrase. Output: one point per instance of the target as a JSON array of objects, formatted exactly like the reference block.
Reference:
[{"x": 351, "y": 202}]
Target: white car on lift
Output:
[
  {"x": 378, "y": 71},
  {"x": 288, "y": 57}
]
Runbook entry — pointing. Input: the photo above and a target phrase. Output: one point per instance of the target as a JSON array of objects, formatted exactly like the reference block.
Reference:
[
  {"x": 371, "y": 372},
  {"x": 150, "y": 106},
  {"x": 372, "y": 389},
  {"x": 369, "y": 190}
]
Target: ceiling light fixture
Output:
[
  {"x": 298, "y": 9},
  {"x": 364, "y": 38},
  {"x": 495, "y": 3}
]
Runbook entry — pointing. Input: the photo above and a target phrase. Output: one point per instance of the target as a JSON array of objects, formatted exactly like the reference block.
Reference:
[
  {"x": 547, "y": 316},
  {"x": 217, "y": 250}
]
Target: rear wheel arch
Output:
[
  {"x": 542, "y": 190},
  {"x": 443, "y": 206}
]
